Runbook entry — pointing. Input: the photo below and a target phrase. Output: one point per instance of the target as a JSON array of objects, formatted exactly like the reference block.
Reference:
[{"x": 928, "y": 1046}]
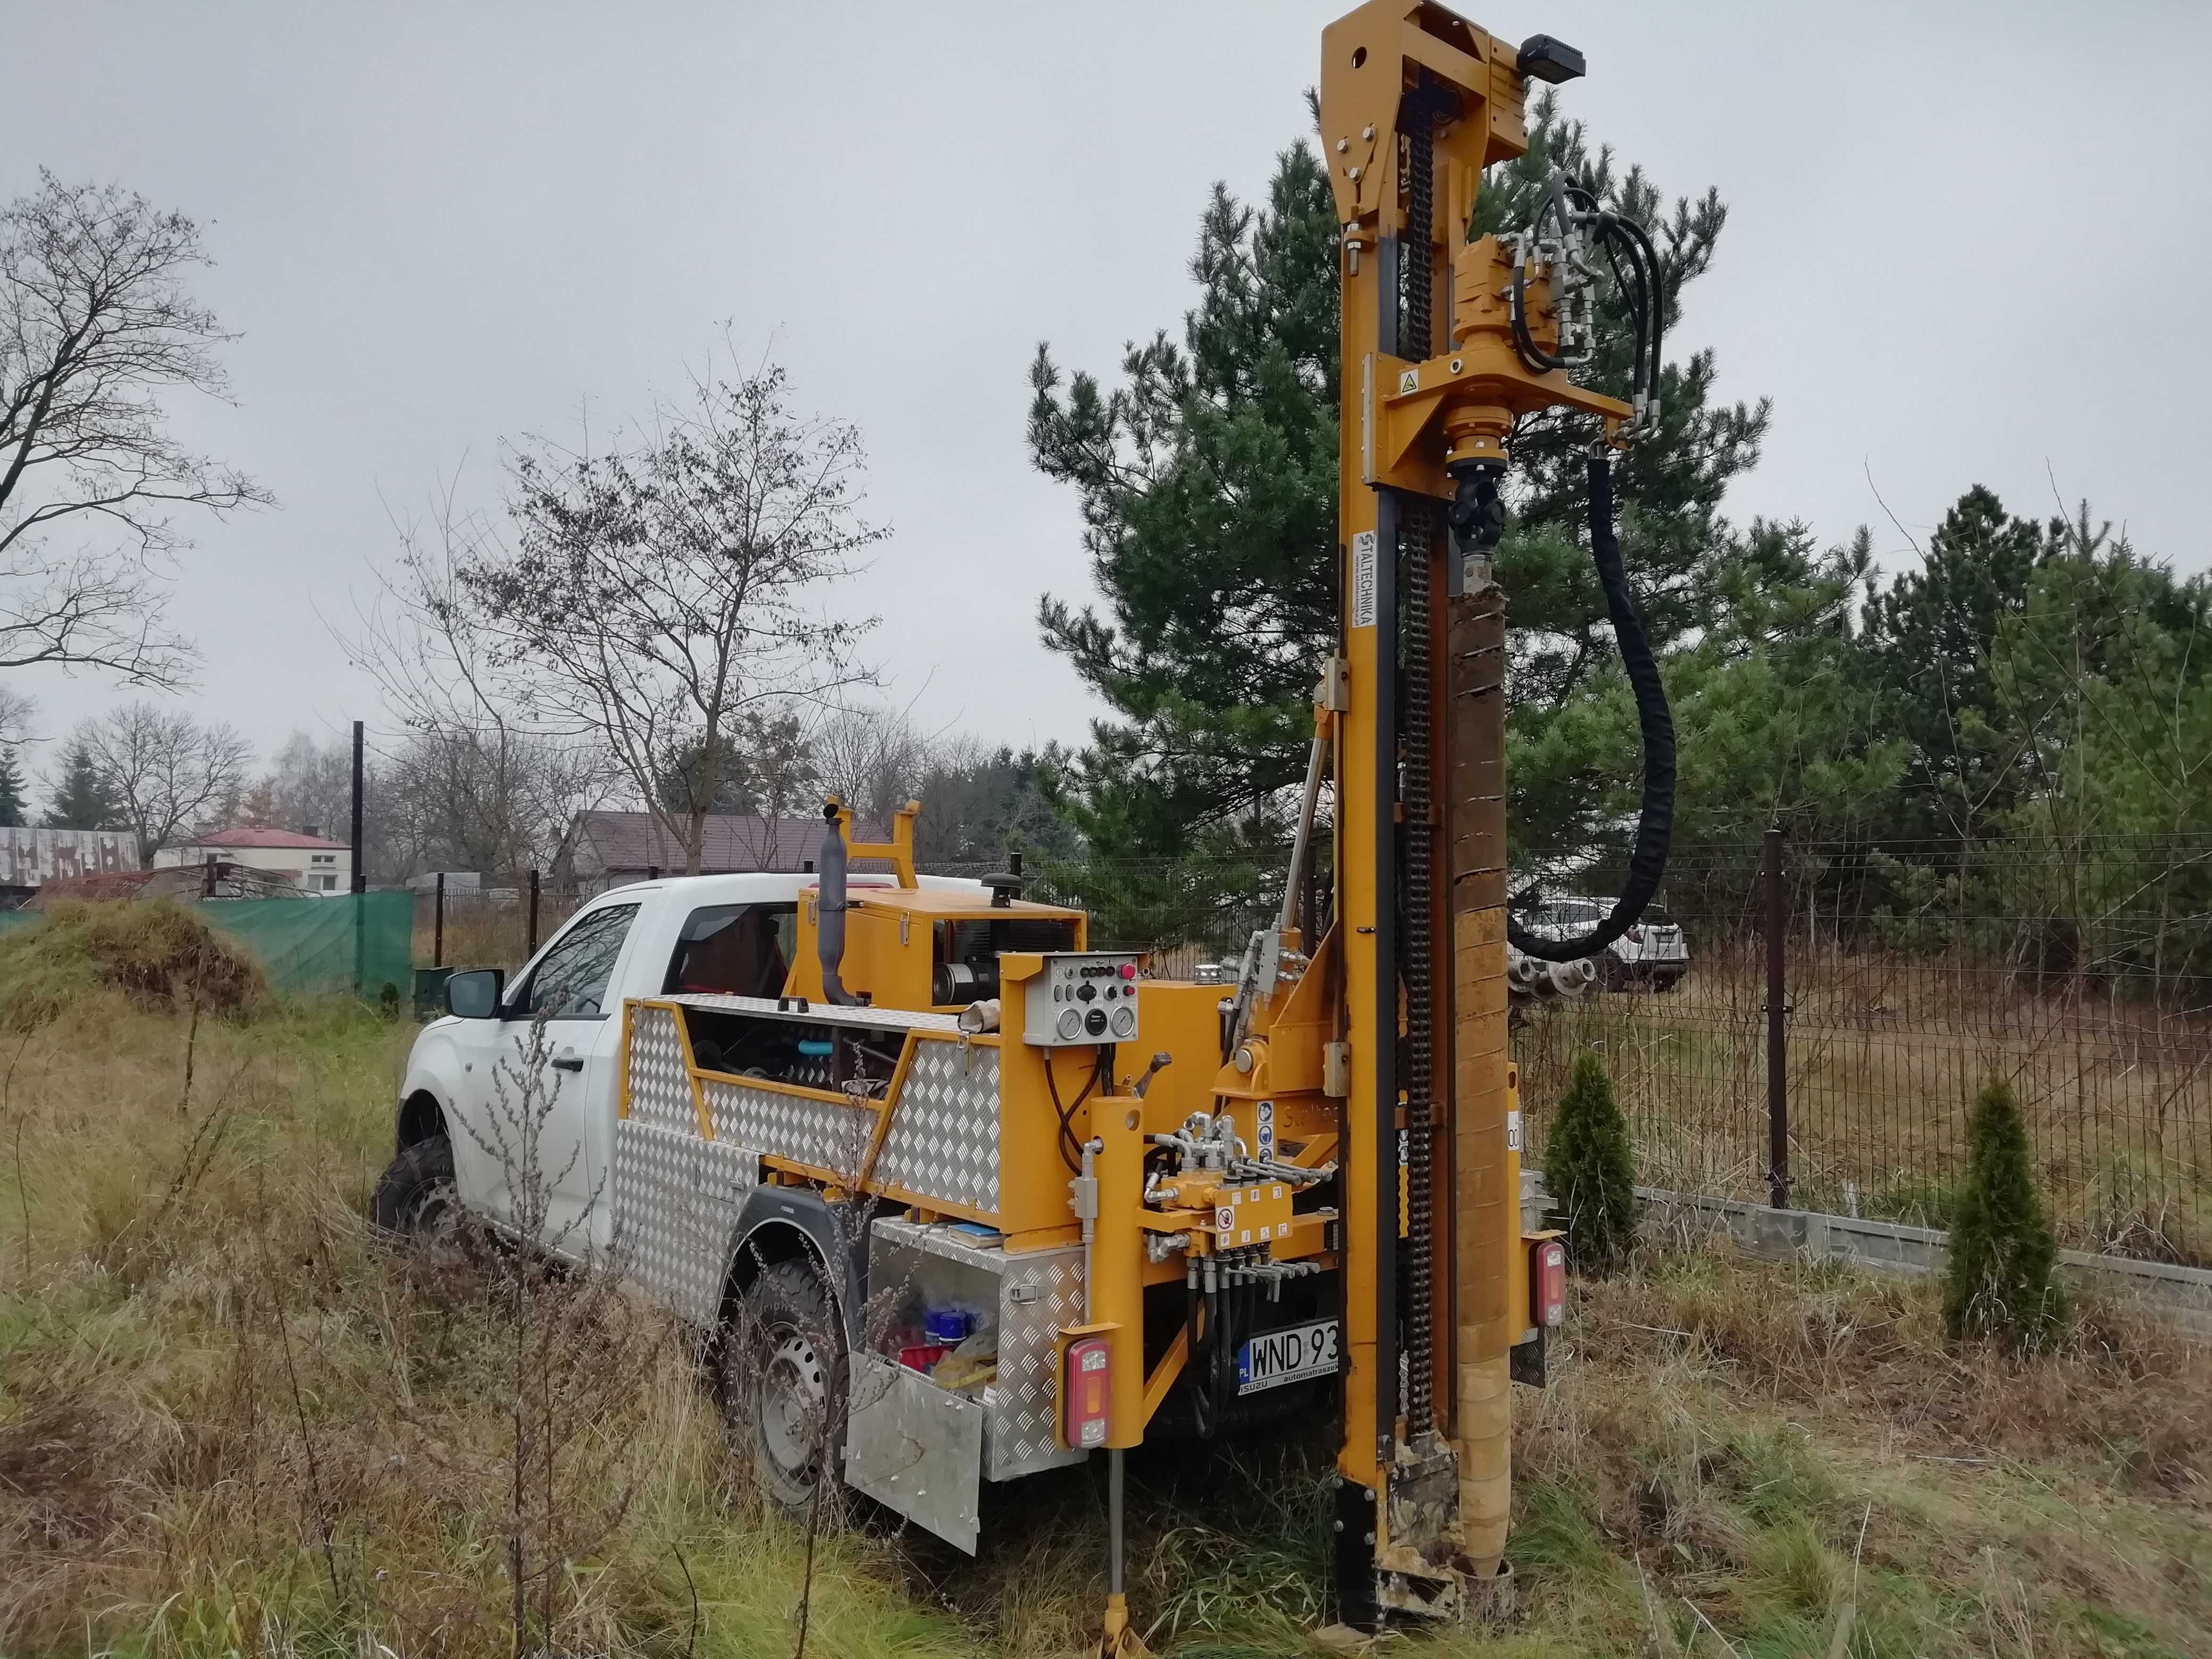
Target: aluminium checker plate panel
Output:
[
  {"x": 677, "y": 1198},
  {"x": 659, "y": 1083},
  {"x": 944, "y": 1139},
  {"x": 822, "y": 1134},
  {"x": 943, "y": 1143},
  {"x": 1041, "y": 1294}
]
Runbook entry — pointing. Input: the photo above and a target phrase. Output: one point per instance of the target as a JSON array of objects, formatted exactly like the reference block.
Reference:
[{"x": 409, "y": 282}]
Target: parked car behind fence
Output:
[{"x": 1655, "y": 951}]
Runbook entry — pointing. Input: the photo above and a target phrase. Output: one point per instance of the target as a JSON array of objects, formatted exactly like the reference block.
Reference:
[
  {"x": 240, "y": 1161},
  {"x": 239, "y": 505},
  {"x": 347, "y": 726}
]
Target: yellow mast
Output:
[{"x": 1415, "y": 103}]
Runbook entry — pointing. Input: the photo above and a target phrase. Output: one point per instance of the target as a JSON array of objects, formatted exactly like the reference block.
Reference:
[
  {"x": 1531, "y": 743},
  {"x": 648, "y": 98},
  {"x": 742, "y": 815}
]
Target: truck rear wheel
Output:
[{"x": 783, "y": 1381}]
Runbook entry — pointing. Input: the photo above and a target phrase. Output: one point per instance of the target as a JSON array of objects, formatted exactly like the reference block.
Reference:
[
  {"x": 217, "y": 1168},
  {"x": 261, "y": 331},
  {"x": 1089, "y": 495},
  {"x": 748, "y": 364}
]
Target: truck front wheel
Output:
[
  {"x": 783, "y": 1381},
  {"x": 414, "y": 1195}
]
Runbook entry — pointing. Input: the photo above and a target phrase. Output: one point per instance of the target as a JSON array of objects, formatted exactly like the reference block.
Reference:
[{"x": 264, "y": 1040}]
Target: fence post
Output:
[
  {"x": 1777, "y": 1034},
  {"x": 532, "y": 949},
  {"x": 438, "y": 925}
]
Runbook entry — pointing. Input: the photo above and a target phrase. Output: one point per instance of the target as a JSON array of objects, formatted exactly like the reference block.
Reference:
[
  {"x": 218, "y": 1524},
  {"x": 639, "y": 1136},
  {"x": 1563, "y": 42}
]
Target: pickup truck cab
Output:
[{"x": 459, "y": 1134}]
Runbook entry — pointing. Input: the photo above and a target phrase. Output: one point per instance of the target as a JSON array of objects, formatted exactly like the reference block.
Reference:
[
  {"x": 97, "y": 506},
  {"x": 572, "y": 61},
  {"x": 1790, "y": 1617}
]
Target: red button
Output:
[{"x": 1128, "y": 971}]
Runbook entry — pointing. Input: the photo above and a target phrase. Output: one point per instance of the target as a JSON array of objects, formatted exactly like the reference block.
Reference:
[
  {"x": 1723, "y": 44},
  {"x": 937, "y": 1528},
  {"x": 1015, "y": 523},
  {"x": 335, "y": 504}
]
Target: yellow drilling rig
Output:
[{"x": 972, "y": 1200}]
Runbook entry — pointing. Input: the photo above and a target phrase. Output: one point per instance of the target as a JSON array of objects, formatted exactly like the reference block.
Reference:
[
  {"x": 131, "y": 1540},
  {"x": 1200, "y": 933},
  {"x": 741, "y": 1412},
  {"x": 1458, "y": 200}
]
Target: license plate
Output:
[{"x": 1270, "y": 1360}]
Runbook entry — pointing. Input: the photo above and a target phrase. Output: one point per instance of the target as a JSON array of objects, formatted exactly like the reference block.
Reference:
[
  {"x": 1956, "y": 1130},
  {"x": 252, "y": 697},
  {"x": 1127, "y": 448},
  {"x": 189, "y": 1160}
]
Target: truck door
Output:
[{"x": 547, "y": 1168}]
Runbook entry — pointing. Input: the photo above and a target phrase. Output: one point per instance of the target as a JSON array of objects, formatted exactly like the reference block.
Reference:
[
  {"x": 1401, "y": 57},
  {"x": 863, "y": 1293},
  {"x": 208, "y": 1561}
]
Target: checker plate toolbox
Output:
[{"x": 691, "y": 1143}]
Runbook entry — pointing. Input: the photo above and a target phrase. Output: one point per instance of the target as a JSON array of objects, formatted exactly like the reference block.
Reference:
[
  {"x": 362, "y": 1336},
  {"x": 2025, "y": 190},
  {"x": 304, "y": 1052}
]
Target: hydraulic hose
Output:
[{"x": 1655, "y": 822}]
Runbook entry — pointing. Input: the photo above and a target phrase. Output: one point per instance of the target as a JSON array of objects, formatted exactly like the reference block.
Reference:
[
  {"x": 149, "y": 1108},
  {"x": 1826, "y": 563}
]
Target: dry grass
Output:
[
  {"x": 230, "y": 1423},
  {"x": 158, "y": 954}
]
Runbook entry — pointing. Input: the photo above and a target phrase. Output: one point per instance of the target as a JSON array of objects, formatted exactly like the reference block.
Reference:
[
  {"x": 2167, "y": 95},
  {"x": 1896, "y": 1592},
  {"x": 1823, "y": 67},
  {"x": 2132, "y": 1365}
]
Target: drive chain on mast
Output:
[{"x": 1417, "y": 935}]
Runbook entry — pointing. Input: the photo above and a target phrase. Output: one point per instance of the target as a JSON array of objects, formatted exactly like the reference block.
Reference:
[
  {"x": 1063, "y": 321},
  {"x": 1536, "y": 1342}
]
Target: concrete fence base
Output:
[{"x": 2181, "y": 1297}]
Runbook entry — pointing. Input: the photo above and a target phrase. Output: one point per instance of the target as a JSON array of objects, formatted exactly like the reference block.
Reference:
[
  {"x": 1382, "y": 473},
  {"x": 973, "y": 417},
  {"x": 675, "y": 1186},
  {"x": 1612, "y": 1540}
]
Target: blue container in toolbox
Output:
[{"x": 947, "y": 1325}]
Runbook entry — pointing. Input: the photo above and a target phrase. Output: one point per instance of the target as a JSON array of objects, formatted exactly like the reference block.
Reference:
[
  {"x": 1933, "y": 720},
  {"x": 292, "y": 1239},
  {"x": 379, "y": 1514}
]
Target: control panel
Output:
[{"x": 1082, "y": 999}]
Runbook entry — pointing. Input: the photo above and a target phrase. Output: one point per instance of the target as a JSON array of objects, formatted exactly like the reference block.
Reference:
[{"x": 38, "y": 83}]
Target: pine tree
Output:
[
  {"x": 83, "y": 798},
  {"x": 1208, "y": 482},
  {"x": 1997, "y": 1280},
  {"x": 1591, "y": 1171},
  {"x": 14, "y": 806},
  {"x": 1933, "y": 632}
]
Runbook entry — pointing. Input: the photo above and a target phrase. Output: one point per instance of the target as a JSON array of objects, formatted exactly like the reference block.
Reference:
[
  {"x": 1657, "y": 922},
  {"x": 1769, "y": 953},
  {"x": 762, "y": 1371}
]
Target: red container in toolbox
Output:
[{"x": 923, "y": 1356}]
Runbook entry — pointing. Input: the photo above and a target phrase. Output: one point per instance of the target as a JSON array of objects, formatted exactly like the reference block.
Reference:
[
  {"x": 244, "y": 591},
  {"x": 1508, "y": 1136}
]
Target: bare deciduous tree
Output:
[
  {"x": 473, "y": 782},
  {"x": 872, "y": 759},
  {"x": 656, "y": 591},
  {"x": 94, "y": 325},
  {"x": 169, "y": 771}
]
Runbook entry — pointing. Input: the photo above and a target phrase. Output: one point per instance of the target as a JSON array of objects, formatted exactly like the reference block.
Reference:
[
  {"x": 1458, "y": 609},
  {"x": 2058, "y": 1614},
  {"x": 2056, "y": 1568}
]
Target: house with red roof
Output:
[{"x": 317, "y": 865}]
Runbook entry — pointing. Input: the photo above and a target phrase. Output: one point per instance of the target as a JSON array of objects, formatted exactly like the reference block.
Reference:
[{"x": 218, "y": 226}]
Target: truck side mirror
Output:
[{"x": 476, "y": 993}]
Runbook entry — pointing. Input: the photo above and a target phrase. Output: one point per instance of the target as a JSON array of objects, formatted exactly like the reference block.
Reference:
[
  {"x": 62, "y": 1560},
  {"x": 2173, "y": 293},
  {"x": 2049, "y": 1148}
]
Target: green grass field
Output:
[{"x": 229, "y": 1424}]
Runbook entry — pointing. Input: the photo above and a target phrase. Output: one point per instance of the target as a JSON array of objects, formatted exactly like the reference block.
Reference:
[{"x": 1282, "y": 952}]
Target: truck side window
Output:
[
  {"x": 737, "y": 949},
  {"x": 571, "y": 979}
]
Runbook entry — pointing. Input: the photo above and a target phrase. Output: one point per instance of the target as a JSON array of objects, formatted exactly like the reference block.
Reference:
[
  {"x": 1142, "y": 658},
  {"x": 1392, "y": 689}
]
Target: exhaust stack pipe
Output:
[{"x": 829, "y": 933}]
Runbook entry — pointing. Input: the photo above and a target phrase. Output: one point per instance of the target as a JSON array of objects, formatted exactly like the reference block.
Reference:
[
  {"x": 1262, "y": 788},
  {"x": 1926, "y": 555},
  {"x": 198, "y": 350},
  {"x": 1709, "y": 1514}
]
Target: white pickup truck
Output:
[{"x": 669, "y": 996}]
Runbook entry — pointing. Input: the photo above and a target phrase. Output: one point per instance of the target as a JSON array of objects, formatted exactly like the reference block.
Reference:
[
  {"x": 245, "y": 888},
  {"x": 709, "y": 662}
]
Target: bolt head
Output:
[
  {"x": 1367, "y": 132},
  {"x": 1342, "y": 145},
  {"x": 1352, "y": 173}
]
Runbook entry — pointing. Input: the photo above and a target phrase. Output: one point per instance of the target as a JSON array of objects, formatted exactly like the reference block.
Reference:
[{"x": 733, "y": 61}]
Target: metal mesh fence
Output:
[
  {"x": 489, "y": 927},
  {"x": 2076, "y": 974}
]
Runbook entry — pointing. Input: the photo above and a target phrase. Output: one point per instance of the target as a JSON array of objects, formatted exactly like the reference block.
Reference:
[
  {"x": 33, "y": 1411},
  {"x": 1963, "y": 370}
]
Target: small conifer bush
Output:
[
  {"x": 1591, "y": 1171},
  {"x": 1998, "y": 1278}
]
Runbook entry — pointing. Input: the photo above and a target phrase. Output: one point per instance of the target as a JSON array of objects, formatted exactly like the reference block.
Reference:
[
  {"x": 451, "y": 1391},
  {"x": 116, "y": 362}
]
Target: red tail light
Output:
[
  {"x": 1087, "y": 1392},
  {"x": 1551, "y": 1282}
]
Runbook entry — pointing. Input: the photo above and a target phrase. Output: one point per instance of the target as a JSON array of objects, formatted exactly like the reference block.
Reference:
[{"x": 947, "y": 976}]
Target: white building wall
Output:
[{"x": 318, "y": 870}]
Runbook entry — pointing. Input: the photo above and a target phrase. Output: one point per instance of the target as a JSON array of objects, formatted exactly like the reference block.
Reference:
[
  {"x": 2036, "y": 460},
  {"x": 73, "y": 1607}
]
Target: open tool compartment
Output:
[{"x": 923, "y": 1433}]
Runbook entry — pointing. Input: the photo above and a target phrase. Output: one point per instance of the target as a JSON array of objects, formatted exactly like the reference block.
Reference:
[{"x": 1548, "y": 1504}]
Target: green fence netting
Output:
[{"x": 351, "y": 942}]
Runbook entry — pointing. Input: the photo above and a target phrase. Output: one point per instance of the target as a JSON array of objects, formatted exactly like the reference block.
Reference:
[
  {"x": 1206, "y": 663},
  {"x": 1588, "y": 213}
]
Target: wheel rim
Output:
[
  {"x": 792, "y": 1397},
  {"x": 428, "y": 1209}
]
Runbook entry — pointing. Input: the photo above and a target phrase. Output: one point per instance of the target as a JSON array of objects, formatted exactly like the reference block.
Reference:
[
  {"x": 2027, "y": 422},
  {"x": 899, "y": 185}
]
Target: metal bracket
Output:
[
  {"x": 1336, "y": 1070},
  {"x": 1335, "y": 692}
]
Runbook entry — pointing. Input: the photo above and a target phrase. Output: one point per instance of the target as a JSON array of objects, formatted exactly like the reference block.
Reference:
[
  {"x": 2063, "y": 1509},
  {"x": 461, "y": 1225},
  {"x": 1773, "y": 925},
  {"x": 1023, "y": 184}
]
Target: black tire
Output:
[
  {"x": 1667, "y": 982},
  {"x": 1612, "y": 973},
  {"x": 783, "y": 1382},
  {"x": 415, "y": 1197}
]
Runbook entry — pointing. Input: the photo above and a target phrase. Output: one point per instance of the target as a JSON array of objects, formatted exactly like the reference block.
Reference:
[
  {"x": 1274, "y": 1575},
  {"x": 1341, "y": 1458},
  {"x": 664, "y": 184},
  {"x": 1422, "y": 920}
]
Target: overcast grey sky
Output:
[{"x": 1965, "y": 244}]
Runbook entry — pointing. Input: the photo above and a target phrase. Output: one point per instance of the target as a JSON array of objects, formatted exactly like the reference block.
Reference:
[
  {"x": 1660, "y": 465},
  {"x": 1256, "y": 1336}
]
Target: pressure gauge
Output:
[{"x": 1071, "y": 1024}]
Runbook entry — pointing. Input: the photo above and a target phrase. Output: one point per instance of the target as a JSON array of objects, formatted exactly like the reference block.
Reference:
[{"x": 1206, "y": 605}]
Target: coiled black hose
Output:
[{"x": 1655, "y": 823}]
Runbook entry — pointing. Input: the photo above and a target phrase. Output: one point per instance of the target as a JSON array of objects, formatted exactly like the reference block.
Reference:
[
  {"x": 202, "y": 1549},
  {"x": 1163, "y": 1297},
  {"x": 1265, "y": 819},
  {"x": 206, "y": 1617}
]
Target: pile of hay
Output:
[{"x": 158, "y": 954}]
